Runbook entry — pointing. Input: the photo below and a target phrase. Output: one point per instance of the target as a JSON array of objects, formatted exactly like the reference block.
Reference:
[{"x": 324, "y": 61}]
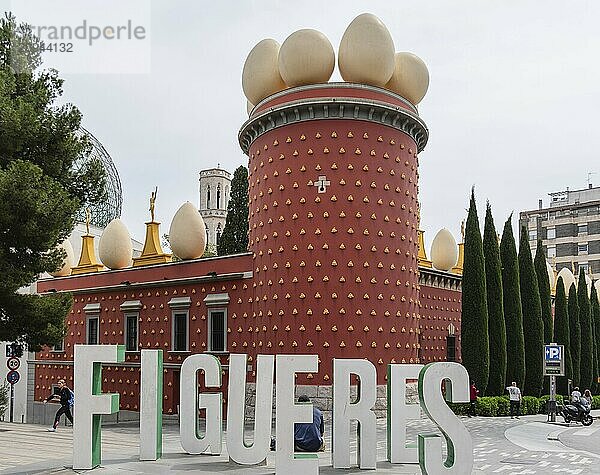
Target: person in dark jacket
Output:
[
  {"x": 66, "y": 402},
  {"x": 308, "y": 436}
]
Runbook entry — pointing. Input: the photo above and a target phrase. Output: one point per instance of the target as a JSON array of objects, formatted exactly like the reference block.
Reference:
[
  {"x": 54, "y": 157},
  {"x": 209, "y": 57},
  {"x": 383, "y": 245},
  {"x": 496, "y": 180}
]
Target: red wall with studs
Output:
[{"x": 336, "y": 272}]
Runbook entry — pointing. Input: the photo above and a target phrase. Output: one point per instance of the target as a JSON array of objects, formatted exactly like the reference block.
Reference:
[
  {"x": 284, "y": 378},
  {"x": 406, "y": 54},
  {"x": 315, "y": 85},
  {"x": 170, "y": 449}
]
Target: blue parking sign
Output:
[{"x": 553, "y": 352}]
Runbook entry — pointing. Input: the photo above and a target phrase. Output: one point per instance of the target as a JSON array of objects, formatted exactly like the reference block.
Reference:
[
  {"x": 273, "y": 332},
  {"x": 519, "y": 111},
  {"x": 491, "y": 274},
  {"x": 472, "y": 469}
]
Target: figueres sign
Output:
[{"x": 279, "y": 370}]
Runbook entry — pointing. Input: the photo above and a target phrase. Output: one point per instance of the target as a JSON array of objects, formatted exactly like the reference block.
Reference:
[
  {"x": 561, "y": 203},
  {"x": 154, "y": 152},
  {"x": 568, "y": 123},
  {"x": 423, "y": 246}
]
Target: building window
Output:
[
  {"x": 217, "y": 321},
  {"x": 551, "y": 251},
  {"x": 219, "y": 196},
  {"x": 180, "y": 331},
  {"x": 451, "y": 348},
  {"x": 131, "y": 310},
  {"x": 92, "y": 330},
  {"x": 582, "y": 229},
  {"x": 551, "y": 233},
  {"x": 217, "y": 329},
  {"x": 180, "y": 328},
  {"x": 533, "y": 235},
  {"x": 131, "y": 332},
  {"x": 92, "y": 311},
  {"x": 59, "y": 347},
  {"x": 584, "y": 266},
  {"x": 207, "y": 196},
  {"x": 582, "y": 249},
  {"x": 218, "y": 233}
]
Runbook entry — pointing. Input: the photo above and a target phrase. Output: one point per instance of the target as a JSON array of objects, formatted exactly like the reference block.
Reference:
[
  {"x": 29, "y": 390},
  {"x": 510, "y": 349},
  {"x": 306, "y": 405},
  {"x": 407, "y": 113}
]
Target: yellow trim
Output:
[
  {"x": 422, "y": 257},
  {"x": 87, "y": 260},
  {"x": 458, "y": 268},
  {"x": 152, "y": 252}
]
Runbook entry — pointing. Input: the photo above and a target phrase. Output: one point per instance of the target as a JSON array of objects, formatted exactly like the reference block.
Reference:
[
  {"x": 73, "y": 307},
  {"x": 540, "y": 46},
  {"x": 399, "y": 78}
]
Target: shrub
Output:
[
  {"x": 487, "y": 406},
  {"x": 596, "y": 402},
  {"x": 530, "y": 405},
  {"x": 503, "y": 406},
  {"x": 498, "y": 406}
]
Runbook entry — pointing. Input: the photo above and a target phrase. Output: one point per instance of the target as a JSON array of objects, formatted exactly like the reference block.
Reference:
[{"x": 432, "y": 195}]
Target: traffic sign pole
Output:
[{"x": 12, "y": 402}]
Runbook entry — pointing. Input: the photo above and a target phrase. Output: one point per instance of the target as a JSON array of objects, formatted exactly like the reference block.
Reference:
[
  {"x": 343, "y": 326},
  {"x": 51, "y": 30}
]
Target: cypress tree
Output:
[
  {"x": 544, "y": 289},
  {"x": 595, "y": 312},
  {"x": 586, "y": 361},
  {"x": 575, "y": 333},
  {"x": 562, "y": 335},
  {"x": 496, "y": 326},
  {"x": 235, "y": 233},
  {"x": 533, "y": 327},
  {"x": 474, "y": 324},
  {"x": 513, "y": 316}
]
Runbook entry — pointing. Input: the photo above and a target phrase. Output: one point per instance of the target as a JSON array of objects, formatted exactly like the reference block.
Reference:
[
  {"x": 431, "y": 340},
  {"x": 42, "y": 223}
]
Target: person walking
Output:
[
  {"x": 474, "y": 394},
  {"x": 67, "y": 399},
  {"x": 515, "y": 400}
]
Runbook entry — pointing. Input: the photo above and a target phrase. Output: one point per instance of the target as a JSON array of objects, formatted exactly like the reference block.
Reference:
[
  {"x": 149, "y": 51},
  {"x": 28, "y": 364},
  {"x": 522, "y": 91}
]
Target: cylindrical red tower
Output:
[{"x": 333, "y": 174}]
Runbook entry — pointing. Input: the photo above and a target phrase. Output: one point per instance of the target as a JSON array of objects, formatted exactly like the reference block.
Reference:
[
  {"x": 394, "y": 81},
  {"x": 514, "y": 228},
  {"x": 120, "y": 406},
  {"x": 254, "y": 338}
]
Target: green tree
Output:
[
  {"x": 533, "y": 327},
  {"x": 474, "y": 324},
  {"x": 562, "y": 336},
  {"x": 40, "y": 193},
  {"x": 496, "y": 326},
  {"x": 513, "y": 316},
  {"x": 544, "y": 289},
  {"x": 235, "y": 234},
  {"x": 575, "y": 334},
  {"x": 595, "y": 312},
  {"x": 586, "y": 362}
]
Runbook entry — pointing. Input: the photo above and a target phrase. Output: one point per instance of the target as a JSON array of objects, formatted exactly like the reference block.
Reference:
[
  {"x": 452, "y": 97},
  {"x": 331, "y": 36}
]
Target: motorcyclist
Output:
[{"x": 576, "y": 401}]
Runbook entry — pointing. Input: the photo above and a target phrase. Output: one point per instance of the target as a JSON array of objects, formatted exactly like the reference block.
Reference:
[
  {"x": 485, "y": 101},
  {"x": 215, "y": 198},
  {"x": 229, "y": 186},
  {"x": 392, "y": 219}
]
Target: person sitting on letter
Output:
[{"x": 308, "y": 436}]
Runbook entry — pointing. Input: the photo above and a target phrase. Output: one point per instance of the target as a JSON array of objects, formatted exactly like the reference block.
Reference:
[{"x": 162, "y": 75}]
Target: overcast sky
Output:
[{"x": 512, "y": 105}]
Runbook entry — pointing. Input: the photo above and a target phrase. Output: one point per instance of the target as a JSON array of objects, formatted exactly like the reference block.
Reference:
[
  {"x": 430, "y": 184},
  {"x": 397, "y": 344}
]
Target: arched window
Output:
[
  {"x": 207, "y": 235},
  {"x": 218, "y": 232},
  {"x": 219, "y": 196},
  {"x": 207, "y": 196}
]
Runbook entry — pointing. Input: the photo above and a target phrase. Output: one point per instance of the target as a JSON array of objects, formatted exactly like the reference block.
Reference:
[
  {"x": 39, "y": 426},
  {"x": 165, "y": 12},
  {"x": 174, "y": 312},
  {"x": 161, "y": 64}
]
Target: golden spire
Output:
[
  {"x": 422, "y": 257},
  {"x": 152, "y": 252},
  {"x": 458, "y": 268},
  {"x": 152, "y": 203},
  {"x": 88, "y": 218}
]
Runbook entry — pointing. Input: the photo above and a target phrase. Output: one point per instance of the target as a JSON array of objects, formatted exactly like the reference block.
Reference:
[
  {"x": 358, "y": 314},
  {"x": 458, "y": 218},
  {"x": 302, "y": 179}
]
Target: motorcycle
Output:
[{"x": 569, "y": 412}]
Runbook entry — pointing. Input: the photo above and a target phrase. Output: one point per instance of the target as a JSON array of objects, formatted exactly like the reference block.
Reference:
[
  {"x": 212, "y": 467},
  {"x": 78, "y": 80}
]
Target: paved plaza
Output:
[{"x": 501, "y": 445}]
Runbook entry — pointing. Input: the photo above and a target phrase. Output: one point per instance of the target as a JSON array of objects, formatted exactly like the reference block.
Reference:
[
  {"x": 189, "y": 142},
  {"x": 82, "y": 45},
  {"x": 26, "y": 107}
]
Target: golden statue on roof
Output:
[{"x": 152, "y": 203}]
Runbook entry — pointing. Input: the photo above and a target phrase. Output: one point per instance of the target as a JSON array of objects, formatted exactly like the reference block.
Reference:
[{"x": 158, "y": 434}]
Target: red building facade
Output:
[{"x": 332, "y": 268}]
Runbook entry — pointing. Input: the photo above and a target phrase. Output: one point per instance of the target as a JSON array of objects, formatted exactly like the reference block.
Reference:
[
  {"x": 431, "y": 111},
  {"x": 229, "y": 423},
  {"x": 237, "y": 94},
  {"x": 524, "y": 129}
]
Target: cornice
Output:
[{"x": 328, "y": 108}]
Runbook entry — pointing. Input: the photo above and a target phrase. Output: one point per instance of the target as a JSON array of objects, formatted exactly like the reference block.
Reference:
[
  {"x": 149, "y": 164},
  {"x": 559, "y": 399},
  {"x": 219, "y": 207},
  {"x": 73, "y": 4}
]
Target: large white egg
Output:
[
  {"x": 444, "y": 251},
  {"x": 68, "y": 261},
  {"x": 115, "y": 249},
  {"x": 187, "y": 234},
  {"x": 410, "y": 78},
  {"x": 568, "y": 279},
  {"x": 550, "y": 271},
  {"x": 260, "y": 77},
  {"x": 306, "y": 57},
  {"x": 366, "y": 53}
]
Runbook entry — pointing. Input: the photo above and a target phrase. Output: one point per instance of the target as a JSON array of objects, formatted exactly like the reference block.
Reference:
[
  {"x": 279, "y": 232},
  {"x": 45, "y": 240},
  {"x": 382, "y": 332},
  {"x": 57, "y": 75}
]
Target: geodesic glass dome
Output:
[{"x": 104, "y": 212}]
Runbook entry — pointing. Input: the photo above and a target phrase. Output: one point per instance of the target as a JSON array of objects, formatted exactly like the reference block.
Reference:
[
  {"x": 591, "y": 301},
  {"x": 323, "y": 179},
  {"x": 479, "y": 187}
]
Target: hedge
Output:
[{"x": 495, "y": 406}]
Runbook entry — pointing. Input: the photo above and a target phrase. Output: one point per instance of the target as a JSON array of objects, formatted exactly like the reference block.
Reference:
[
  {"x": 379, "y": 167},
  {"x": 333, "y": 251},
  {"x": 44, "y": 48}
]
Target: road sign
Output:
[
  {"x": 13, "y": 363},
  {"x": 13, "y": 377},
  {"x": 554, "y": 364},
  {"x": 553, "y": 352}
]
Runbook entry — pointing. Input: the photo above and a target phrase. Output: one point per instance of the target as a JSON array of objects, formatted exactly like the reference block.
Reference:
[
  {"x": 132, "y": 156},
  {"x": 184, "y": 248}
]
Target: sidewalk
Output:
[{"x": 501, "y": 445}]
